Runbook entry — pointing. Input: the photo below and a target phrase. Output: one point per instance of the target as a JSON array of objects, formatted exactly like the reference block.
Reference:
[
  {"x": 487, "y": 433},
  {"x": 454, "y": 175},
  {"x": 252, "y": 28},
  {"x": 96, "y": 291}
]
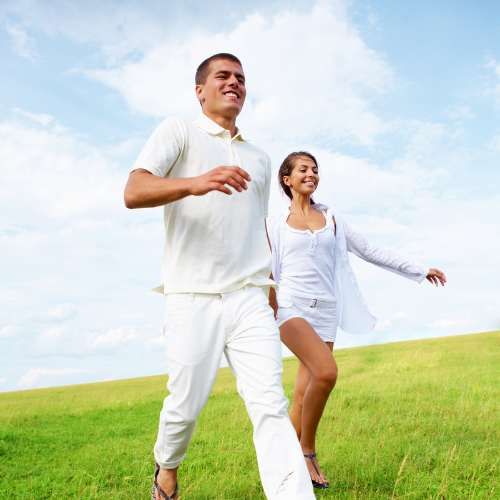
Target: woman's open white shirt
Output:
[
  {"x": 353, "y": 314},
  {"x": 214, "y": 243}
]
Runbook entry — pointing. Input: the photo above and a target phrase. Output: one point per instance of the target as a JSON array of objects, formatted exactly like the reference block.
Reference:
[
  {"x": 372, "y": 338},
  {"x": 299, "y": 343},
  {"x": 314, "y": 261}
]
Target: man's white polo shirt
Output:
[{"x": 215, "y": 243}]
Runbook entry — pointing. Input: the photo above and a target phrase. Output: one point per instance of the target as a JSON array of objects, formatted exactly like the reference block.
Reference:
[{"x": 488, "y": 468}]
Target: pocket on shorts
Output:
[
  {"x": 285, "y": 303},
  {"x": 286, "y": 310},
  {"x": 331, "y": 312},
  {"x": 327, "y": 317}
]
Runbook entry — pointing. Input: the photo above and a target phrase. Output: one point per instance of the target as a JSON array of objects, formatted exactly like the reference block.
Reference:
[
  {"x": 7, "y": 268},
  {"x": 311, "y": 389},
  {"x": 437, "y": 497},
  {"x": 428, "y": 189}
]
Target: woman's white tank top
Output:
[{"x": 308, "y": 263}]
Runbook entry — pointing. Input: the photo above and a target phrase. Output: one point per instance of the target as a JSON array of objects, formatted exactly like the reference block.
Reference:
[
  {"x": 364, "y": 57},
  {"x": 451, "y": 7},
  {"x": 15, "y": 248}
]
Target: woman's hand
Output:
[
  {"x": 273, "y": 302},
  {"x": 436, "y": 276}
]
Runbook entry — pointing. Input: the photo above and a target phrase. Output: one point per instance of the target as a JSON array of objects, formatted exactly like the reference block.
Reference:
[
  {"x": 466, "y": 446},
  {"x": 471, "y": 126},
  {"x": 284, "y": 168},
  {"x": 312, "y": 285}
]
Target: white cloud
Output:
[
  {"x": 3, "y": 381},
  {"x": 460, "y": 112},
  {"x": 395, "y": 323},
  {"x": 41, "y": 118},
  {"x": 121, "y": 29},
  {"x": 117, "y": 27},
  {"x": 62, "y": 312},
  {"x": 494, "y": 90},
  {"x": 318, "y": 84},
  {"x": 21, "y": 43},
  {"x": 494, "y": 143},
  {"x": 426, "y": 138},
  {"x": 114, "y": 339},
  {"x": 53, "y": 340},
  {"x": 385, "y": 324},
  {"x": 155, "y": 343},
  {"x": 356, "y": 184},
  {"x": 9, "y": 331},
  {"x": 61, "y": 175},
  {"x": 37, "y": 377},
  {"x": 53, "y": 333}
]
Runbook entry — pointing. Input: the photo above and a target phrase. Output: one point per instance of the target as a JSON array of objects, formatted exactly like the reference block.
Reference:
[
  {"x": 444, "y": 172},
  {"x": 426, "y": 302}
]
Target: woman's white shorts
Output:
[{"x": 322, "y": 317}]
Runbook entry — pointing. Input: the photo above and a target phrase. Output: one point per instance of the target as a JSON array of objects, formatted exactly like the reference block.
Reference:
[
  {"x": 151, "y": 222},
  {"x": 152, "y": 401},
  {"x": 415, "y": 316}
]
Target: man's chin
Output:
[
  {"x": 227, "y": 110},
  {"x": 234, "y": 108}
]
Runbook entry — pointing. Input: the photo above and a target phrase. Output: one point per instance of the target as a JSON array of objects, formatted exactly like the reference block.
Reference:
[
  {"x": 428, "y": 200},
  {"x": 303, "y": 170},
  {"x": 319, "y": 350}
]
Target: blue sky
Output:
[{"x": 399, "y": 102}]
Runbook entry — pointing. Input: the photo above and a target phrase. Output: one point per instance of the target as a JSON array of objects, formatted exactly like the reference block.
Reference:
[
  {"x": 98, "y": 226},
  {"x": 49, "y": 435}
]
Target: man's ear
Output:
[{"x": 199, "y": 93}]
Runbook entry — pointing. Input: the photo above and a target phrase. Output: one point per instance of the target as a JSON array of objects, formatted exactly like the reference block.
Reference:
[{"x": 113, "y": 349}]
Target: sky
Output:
[{"x": 398, "y": 101}]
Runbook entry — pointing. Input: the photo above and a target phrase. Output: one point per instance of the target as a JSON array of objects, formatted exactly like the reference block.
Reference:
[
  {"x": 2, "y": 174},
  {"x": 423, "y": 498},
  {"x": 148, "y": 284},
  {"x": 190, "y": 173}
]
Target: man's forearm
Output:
[{"x": 145, "y": 190}]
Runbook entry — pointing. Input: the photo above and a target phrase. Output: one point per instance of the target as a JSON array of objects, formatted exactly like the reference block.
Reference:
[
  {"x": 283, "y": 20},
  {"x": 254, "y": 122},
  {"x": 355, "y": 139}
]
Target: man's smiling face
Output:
[{"x": 224, "y": 91}]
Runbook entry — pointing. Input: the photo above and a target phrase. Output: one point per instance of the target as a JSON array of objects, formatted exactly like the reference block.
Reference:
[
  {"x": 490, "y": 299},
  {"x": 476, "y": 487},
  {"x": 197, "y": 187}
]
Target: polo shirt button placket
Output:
[
  {"x": 236, "y": 159},
  {"x": 230, "y": 150}
]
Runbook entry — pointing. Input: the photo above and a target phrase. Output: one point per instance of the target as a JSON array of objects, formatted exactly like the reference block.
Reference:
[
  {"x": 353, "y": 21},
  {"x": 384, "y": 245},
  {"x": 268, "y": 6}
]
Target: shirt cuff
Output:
[{"x": 424, "y": 275}]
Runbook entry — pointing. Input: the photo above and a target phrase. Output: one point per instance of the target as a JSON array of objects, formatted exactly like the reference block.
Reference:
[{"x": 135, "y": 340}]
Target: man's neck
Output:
[{"x": 228, "y": 123}]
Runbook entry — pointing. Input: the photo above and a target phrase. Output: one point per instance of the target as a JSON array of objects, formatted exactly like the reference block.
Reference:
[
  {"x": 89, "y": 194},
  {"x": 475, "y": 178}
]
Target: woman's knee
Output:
[{"x": 327, "y": 377}]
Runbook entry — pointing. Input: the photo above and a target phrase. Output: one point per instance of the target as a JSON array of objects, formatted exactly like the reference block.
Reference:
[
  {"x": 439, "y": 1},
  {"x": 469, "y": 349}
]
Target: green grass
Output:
[{"x": 416, "y": 420}]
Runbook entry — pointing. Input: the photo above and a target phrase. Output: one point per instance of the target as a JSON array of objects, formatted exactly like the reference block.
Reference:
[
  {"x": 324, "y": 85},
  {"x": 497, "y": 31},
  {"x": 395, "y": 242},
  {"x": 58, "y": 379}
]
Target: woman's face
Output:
[{"x": 304, "y": 177}]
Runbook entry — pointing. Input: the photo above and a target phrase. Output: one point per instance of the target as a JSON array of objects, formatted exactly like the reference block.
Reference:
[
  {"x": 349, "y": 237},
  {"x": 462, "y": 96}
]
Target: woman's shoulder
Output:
[
  {"x": 332, "y": 212},
  {"x": 320, "y": 207}
]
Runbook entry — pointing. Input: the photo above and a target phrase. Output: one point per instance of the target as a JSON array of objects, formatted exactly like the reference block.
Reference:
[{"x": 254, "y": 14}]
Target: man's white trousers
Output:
[{"x": 198, "y": 329}]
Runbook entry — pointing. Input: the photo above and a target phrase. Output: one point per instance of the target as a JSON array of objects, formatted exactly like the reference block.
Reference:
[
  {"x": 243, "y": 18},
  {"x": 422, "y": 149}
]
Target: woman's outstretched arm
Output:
[{"x": 382, "y": 257}]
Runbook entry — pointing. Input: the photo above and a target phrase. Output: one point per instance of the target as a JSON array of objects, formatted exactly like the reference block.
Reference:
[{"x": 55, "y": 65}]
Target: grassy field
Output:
[{"x": 416, "y": 420}]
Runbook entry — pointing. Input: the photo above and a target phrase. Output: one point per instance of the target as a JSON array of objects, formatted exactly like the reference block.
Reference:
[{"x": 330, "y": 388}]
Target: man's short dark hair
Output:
[{"x": 204, "y": 68}]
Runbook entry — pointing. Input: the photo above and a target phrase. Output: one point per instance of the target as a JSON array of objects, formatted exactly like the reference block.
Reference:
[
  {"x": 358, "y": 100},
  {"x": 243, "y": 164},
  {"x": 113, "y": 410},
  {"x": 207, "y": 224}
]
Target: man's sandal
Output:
[
  {"x": 321, "y": 486},
  {"x": 160, "y": 491}
]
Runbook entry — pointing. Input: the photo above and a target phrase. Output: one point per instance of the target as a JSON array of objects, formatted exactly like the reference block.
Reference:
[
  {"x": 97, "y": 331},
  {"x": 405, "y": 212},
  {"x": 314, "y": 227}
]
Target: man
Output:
[{"x": 216, "y": 267}]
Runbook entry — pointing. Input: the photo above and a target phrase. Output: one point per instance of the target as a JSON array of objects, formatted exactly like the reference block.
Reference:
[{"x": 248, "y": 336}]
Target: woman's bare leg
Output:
[
  {"x": 316, "y": 357},
  {"x": 301, "y": 385}
]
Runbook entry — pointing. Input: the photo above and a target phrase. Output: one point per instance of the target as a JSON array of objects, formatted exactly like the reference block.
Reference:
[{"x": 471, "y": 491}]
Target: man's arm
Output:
[{"x": 145, "y": 190}]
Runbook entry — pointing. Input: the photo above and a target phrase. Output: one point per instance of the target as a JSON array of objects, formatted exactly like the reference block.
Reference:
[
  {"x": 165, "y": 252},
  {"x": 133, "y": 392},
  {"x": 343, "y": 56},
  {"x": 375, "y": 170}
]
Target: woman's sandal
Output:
[
  {"x": 160, "y": 491},
  {"x": 321, "y": 486}
]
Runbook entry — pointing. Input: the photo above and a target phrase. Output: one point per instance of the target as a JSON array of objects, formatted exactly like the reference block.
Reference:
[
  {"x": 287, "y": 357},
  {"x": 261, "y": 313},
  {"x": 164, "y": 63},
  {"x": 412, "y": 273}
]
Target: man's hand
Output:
[
  {"x": 144, "y": 189},
  {"x": 435, "y": 277},
  {"x": 216, "y": 180}
]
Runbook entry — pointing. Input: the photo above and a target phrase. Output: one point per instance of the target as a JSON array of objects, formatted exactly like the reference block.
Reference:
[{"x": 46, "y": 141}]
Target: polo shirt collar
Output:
[{"x": 208, "y": 125}]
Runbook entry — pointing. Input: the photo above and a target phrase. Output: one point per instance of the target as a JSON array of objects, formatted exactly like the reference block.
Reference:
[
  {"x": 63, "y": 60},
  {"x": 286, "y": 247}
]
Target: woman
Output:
[{"x": 318, "y": 292}]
